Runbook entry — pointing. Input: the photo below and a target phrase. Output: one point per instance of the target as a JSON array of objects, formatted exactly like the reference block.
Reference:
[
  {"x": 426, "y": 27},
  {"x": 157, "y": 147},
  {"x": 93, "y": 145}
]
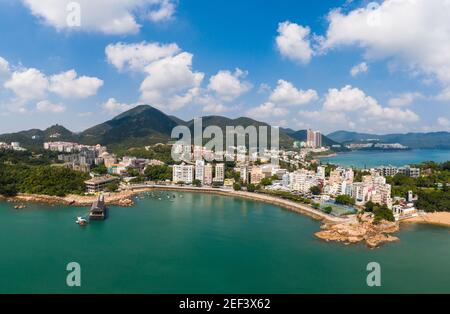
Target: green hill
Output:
[
  {"x": 140, "y": 126},
  {"x": 35, "y": 138}
]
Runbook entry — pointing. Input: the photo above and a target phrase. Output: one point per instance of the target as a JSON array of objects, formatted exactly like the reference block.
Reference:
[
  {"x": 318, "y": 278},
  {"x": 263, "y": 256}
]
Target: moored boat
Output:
[{"x": 81, "y": 221}]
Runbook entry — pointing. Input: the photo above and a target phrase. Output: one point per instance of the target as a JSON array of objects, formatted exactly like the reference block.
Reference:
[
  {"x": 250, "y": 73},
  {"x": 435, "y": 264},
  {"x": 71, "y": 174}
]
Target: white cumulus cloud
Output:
[
  {"x": 444, "y": 95},
  {"x": 228, "y": 86},
  {"x": 47, "y": 106},
  {"x": 413, "y": 32},
  {"x": 106, "y": 16},
  {"x": 359, "y": 68},
  {"x": 165, "y": 10},
  {"x": 28, "y": 84},
  {"x": 137, "y": 56},
  {"x": 266, "y": 110},
  {"x": 350, "y": 106},
  {"x": 347, "y": 98},
  {"x": 113, "y": 106},
  {"x": 405, "y": 99},
  {"x": 68, "y": 85},
  {"x": 293, "y": 42},
  {"x": 287, "y": 94},
  {"x": 4, "y": 67},
  {"x": 171, "y": 83}
]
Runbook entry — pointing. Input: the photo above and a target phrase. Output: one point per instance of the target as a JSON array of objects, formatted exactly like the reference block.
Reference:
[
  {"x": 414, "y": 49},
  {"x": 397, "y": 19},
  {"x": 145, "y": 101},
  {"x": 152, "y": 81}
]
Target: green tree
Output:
[
  {"x": 237, "y": 187},
  {"x": 369, "y": 207},
  {"x": 328, "y": 209},
  {"x": 112, "y": 187},
  {"x": 383, "y": 213},
  {"x": 100, "y": 170},
  {"x": 132, "y": 172},
  {"x": 345, "y": 200},
  {"x": 47, "y": 180},
  {"x": 158, "y": 173},
  {"x": 251, "y": 188},
  {"x": 315, "y": 190},
  {"x": 266, "y": 182},
  {"x": 197, "y": 183},
  {"x": 7, "y": 183}
]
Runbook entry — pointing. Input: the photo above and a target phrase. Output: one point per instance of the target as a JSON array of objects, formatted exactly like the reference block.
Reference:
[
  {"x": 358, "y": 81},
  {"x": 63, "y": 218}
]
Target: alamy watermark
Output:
[
  {"x": 374, "y": 277},
  {"x": 73, "y": 18},
  {"x": 73, "y": 278},
  {"x": 374, "y": 14},
  {"x": 239, "y": 141}
]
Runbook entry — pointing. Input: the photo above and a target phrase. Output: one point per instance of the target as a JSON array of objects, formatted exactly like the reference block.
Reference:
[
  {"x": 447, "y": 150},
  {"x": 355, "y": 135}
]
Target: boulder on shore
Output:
[{"x": 363, "y": 230}]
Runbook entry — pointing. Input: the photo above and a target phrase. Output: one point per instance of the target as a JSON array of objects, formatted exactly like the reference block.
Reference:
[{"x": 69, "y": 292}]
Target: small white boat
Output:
[{"x": 81, "y": 221}]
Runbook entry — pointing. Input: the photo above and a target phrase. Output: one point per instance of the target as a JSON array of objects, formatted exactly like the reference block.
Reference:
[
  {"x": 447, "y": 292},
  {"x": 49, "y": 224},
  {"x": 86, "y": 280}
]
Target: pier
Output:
[{"x": 98, "y": 209}]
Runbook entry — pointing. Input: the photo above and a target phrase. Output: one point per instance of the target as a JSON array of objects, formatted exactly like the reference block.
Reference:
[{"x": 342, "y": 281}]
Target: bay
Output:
[
  {"x": 199, "y": 243},
  {"x": 369, "y": 159}
]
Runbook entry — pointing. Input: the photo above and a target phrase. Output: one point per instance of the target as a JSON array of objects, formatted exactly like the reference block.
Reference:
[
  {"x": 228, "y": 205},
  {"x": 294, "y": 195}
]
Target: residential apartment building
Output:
[
  {"x": 219, "y": 173},
  {"x": 244, "y": 174},
  {"x": 200, "y": 171},
  {"x": 208, "y": 175},
  {"x": 183, "y": 173},
  {"x": 256, "y": 175}
]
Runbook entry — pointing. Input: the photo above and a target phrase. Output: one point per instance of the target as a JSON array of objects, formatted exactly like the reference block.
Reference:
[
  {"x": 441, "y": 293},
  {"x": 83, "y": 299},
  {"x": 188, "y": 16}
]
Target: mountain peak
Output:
[{"x": 135, "y": 111}]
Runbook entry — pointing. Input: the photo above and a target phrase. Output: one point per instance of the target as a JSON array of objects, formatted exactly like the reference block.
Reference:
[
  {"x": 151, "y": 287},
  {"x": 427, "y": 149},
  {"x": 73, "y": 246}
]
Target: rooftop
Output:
[{"x": 103, "y": 179}]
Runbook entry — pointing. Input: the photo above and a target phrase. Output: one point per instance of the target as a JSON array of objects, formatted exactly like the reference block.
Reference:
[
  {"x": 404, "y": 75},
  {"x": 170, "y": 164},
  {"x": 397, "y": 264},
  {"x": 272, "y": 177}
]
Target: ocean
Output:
[
  {"x": 200, "y": 243},
  {"x": 370, "y": 159}
]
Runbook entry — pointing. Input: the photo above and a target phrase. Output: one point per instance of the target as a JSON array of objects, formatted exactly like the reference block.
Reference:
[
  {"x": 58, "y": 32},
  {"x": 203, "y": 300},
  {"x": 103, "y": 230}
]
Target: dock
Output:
[{"x": 98, "y": 209}]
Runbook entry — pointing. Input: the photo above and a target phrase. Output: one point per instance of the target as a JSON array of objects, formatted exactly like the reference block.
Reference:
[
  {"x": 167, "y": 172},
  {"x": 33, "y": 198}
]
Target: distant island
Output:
[{"x": 434, "y": 140}]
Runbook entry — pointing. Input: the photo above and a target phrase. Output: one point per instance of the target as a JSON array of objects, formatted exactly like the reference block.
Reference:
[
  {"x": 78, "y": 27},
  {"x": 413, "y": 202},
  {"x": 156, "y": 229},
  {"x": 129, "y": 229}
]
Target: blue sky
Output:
[{"x": 285, "y": 62}]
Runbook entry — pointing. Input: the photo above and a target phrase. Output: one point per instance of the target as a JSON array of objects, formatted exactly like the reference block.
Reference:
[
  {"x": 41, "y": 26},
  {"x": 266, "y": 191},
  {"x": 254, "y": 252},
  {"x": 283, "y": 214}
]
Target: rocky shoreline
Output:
[
  {"x": 120, "y": 199},
  {"x": 361, "y": 230}
]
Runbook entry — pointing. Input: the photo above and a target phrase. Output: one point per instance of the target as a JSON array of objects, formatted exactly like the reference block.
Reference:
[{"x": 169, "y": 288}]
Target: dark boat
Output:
[{"x": 98, "y": 209}]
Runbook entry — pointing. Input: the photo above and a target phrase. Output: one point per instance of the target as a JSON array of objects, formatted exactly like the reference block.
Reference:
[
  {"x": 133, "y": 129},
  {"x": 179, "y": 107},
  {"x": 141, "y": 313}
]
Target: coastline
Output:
[
  {"x": 124, "y": 198},
  {"x": 437, "y": 219},
  {"x": 286, "y": 204},
  {"x": 347, "y": 230},
  {"x": 326, "y": 156}
]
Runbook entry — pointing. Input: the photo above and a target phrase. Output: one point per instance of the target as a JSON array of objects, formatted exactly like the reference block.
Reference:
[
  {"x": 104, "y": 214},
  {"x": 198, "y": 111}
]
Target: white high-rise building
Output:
[
  {"x": 321, "y": 173},
  {"x": 313, "y": 139},
  {"x": 183, "y": 173},
  {"x": 208, "y": 175},
  {"x": 220, "y": 173},
  {"x": 200, "y": 170},
  {"x": 317, "y": 139},
  {"x": 244, "y": 174},
  {"x": 310, "y": 138}
]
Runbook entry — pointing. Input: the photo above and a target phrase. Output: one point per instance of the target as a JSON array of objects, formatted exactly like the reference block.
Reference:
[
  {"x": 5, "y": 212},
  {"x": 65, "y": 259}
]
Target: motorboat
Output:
[{"x": 81, "y": 221}]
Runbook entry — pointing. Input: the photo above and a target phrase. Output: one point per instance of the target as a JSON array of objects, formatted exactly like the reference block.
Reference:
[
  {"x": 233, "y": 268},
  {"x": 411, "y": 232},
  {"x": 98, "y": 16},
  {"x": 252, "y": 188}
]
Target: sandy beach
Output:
[{"x": 441, "y": 218}]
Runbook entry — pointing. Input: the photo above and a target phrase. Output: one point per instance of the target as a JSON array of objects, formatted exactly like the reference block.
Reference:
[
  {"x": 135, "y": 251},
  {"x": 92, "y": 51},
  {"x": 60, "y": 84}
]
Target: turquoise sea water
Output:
[
  {"x": 368, "y": 159},
  {"x": 206, "y": 244}
]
